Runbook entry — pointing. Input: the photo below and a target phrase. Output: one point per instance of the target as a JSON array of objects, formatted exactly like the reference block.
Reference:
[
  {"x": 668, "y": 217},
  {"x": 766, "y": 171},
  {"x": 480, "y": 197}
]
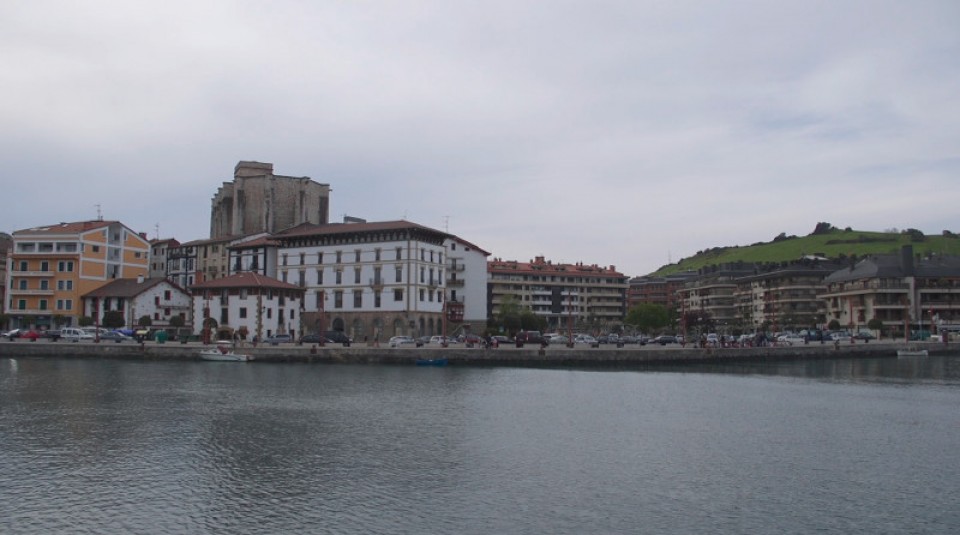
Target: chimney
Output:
[{"x": 906, "y": 260}]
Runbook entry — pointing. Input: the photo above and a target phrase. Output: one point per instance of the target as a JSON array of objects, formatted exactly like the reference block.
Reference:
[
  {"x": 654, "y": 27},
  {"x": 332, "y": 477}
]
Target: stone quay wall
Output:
[{"x": 605, "y": 356}]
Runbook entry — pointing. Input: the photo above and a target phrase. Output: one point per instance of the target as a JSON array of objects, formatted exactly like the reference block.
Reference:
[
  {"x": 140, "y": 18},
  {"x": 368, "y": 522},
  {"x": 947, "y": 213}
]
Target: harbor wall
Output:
[{"x": 504, "y": 356}]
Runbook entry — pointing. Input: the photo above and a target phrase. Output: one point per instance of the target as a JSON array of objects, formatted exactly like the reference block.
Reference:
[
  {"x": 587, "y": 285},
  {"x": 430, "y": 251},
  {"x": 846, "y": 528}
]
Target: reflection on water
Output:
[{"x": 845, "y": 446}]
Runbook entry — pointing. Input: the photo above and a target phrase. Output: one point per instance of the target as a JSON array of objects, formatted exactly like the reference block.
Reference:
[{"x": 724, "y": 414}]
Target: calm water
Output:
[{"x": 103, "y": 446}]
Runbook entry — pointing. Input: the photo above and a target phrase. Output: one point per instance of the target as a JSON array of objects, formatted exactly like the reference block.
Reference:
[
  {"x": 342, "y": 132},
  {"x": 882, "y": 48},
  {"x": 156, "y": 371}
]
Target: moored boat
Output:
[
  {"x": 432, "y": 362},
  {"x": 223, "y": 353},
  {"x": 913, "y": 352}
]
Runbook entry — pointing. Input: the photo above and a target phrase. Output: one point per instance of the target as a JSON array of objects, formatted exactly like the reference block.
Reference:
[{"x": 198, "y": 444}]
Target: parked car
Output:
[
  {"x": 11, "y": 334},
  {"x": 865, "y": 336},
  {"x": 312, "y": 339},
  {"x": 114, "y": 336},
  {"x": 51, "y": 334},
  {"x": 529, "y": 337},
  {"x": 278, "y": 339},
  {"x": 558, "y": 339},
  {"x": 585, "y": 339},
  {"x": 438, "y": 340},
  {"x": 500, "y": 339},
  {"x": 791, "y": 339},
  {"x": 664, "y": 339},
  {"x": 840, "y": 336},
  {"x": 471, "y": 339},
  {"x": 72, "y": 334},
  {"x": 398, "y": 341},
  {"x": 338, "y": 337}
]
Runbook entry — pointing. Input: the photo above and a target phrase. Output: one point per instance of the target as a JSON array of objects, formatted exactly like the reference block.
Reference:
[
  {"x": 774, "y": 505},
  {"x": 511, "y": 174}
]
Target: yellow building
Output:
[{"x": 51, "y": 267}]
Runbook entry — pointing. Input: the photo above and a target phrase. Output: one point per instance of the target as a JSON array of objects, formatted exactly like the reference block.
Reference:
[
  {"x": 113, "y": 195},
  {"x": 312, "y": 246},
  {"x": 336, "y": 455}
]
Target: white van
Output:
[{"x": 72, "y": 334}]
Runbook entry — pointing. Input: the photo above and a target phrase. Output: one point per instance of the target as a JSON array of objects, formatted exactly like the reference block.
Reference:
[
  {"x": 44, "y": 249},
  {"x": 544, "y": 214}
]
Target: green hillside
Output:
[{"x": 825, "y": 241}]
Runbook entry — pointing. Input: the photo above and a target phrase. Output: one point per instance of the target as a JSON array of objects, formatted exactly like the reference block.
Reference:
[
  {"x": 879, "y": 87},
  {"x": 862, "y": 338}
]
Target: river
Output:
[{"x": 828, "y": 446}]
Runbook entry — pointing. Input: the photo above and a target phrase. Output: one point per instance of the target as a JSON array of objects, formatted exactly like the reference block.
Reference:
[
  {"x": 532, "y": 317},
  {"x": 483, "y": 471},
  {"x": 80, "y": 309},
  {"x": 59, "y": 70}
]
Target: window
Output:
[
  {"x": 319, "y": 296},
  {"x": 398, "y": 295},
  {"x": 283, "y": 260},
  {"x": 303, "y": 258},
  {"x": 399, "y": 274},
  {"x": 319, "y": 258},
  {"x": 43, "y": 304},
  {"x": 44, "y": 266},
  {"x": 357, "y": 298},
  {"x": 399, "y": 253},
  {"x": 431, "y": 256},
  {"x": 68, "y": 304},
  {"x": 44, "y": 284},
  {"x": 95, "y": 248},
  {"x": 303, "y": 278},
  {"x": 166, "y": 295},
  {"x": 59, "y": 304},
  {"x": 356, "y": 275},
  {"x": 423, "y": 255},
  {"x": 376, "y": 254},
  {"x": 22, "y": 304},
  {"x": 23, "y": 266},
  {"x": 377, "y": 277},
  {"x": 376, "y": 299},
  {"x": 23, "y": 284},
  {"x": 339, "y": 274},
  {"x": 423, "y": 275},
  {"x": 422, "y": 294},
  {"x": 356, "y": 255},
  {"x": 439, "y": 258},
  {"x": 243, "y": 312},
  {"x": 320, "y": 276},
  {"x": 338, "y": 299},
  {"x": 283, "y": 276},
  {"x": 339, "y": 256}
]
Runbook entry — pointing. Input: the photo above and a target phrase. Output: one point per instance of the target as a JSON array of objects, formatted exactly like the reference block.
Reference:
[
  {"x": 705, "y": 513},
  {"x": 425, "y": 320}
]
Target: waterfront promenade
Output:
[{"x": 457, "y": 354}]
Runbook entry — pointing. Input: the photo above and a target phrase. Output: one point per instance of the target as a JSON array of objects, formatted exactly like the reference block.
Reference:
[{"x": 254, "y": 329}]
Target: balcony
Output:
[
  {"x": 376, "y": 283},
  {"x": 32, "y": 273},
  {"x": 14, "y": 292},
  {"x": 456, "y": 267},
  {"x": 455, "y": 283}
]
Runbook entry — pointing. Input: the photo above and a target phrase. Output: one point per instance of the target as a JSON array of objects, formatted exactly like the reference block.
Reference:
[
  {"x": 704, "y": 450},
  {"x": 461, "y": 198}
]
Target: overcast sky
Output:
[{"x": 627, "y": 133}]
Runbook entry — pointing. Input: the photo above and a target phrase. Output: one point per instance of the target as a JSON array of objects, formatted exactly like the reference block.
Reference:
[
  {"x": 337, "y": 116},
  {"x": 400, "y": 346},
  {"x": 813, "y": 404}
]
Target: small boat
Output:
[
  {"x": 223, "y": 353},
  {"x": 432, "y": 362},
  {"x": 904, "y": 353}
]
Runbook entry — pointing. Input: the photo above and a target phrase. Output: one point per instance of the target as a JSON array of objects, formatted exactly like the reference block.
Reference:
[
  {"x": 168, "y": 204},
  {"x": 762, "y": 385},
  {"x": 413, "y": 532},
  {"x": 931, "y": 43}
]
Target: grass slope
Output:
[{"x": 835, "y": 244}]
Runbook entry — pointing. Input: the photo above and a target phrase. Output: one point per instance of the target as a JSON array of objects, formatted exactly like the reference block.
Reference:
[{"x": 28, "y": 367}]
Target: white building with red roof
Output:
[{"x": 263, "y": 305}]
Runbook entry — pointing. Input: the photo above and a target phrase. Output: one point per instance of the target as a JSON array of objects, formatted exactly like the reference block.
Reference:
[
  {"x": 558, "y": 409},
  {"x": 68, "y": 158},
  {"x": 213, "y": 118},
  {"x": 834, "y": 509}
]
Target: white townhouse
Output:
[
  {"x": 382, "y": 279},
  {"x": 264, "y": 306},
  {"x": 156, "y": 298}
]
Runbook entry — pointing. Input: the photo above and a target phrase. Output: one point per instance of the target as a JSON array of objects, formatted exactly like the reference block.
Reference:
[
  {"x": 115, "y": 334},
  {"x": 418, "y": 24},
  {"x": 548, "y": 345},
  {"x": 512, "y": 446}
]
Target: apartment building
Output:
[
  {"x": 199, "y": 261},
  {"x": 51, "y": 266},
  {"x": 783, "y": 295},
  {"x": 158, "y": 256},
  {"x": 710, "y": 299},
  {"x": 590, "y": 297},
  {"x": 6, "y": 244},
  {"x": 902, "y": 291},
  {"x": 663, "y": 290},
  {"x": 380, "y": 279}
]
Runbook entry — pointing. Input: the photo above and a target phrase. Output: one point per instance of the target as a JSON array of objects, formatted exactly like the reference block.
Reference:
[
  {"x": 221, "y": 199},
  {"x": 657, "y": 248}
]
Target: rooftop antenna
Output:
[
  {"x": 446, "y": 224},
  {"x": 99, "y": 214},
  {"x": 156, "y": 229}
]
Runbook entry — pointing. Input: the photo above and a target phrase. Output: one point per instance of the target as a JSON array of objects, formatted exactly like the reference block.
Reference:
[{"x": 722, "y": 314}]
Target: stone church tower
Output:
[{"x": 259, "y": 201}]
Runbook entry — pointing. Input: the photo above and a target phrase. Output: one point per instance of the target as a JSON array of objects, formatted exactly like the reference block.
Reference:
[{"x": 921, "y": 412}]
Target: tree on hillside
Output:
[
  {"x": 823, "y": 228},
  {"x": 648, "y": 317},
  {"x": 145, "y": 321},
  {"x": 85, "y": 321}
]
